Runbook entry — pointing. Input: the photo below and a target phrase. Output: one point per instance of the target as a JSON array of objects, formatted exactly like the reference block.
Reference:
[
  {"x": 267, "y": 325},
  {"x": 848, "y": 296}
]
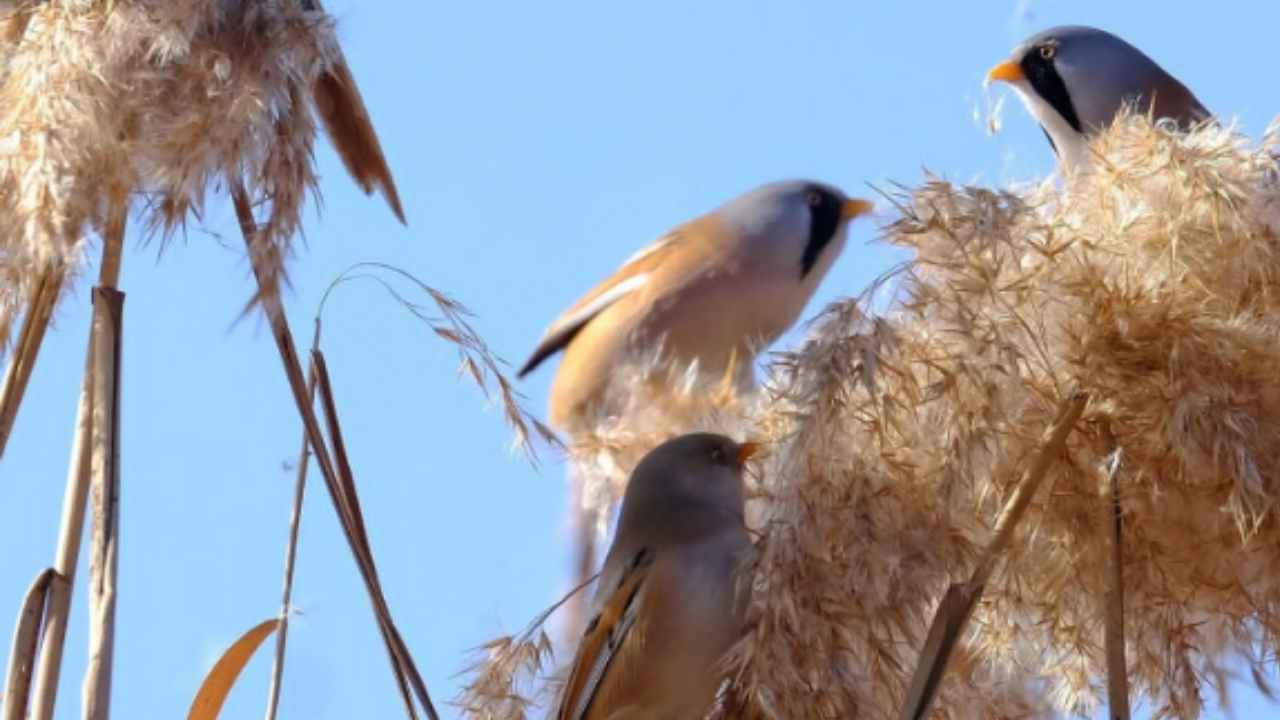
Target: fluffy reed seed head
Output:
[
  {"x": 1149, "y": 283},
  {"x": 165, "y": 99}
]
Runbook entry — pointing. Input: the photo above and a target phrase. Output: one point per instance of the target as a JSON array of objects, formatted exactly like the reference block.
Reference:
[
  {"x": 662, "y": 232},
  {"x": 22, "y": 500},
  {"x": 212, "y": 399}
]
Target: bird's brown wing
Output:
[
  {"x": 1169, "y": 98},
  {"x": 603, "y": 639},
  {"x": 626, "y": 280},
  {"x": 629, "y": 278}
]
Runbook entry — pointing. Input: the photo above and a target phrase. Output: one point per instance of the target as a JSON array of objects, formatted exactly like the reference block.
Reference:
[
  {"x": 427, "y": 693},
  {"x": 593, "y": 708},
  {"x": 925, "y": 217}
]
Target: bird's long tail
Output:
[{"x": 585, "y": 538}]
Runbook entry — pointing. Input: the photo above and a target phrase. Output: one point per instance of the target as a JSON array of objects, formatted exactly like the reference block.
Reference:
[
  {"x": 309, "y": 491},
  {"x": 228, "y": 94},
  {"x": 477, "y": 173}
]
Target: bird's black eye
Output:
[
  {"x": 718, "y": 456},
  {"x": 814, "y": 198},
  {"x": 1047, "y": 52}
]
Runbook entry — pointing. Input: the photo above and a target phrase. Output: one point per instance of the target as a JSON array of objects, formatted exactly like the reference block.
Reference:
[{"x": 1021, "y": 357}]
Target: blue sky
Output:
[{"x": 536, "y": 145}]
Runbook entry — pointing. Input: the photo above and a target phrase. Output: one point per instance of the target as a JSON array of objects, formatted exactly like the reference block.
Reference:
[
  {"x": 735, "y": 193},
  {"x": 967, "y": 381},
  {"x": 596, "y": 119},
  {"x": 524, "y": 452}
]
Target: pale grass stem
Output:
[
  {"x": 50, "y": 638},
  {"x": 70, "y": 533},
  {"x": 104, "y": 532},
  {"x": 291, "y": 551},
  {"x": 338, "y": 480},
  {"x": 1118, "y": 706},
  {"x": 35, "y": 325}
]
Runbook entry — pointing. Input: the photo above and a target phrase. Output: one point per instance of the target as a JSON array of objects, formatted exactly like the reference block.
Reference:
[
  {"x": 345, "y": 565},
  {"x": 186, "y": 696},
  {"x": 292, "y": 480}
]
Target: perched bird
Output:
[
  {"x": 667, "y": 607},
  {"x": 715, "y": 290},
  {"x": 1075, "y": 79}
]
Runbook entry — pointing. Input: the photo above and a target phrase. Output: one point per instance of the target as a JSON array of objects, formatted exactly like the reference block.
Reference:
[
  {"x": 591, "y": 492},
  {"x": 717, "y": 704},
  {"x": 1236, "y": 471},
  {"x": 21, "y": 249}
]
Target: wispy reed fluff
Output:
[
  {"x": 105, "y": 102},
  {"x": 1150, "y": 284}
]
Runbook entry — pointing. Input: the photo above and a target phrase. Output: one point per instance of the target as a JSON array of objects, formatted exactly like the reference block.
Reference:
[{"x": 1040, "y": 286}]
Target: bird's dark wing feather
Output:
[
  {"x": 629, "y": 278},
  {"x": 604, "y": 635}
]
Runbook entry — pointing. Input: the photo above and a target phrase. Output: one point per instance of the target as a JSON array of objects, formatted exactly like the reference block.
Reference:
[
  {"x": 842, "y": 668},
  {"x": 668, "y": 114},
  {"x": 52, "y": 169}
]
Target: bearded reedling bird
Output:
[
  {"x": 1075, "y": 79},
  {"x": 667, "y": 607},
  {"x": 714, "y": 290}
]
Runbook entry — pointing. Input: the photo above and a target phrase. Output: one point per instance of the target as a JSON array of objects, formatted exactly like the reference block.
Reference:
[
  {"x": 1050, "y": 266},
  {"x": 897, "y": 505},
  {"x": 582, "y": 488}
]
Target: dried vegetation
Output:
[
  {"x": 895, "y": 440},
  {"x": 1150, "y": 285}
]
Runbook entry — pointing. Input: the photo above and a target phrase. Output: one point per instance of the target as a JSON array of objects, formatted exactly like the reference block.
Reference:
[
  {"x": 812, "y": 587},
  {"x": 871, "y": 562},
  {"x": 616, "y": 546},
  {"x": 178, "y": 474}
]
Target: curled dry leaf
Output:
[{"x": 218, "y": 683}]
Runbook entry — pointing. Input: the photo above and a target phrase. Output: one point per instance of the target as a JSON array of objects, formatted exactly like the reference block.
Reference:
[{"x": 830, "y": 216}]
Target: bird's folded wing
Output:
[
  {"x": 633, "y": 274},
  {"x": 605, "y": 641}
]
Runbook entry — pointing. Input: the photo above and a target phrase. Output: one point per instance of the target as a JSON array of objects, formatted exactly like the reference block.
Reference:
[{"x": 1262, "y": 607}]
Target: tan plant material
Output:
[
  {"x": 166, "y": 99},
  {"x": 46, "y": 287},
  {"x": 71, "y": 529},
  {"x": 477, "y": 363},
  {"x": 330, "y": 455},
  {"x": 506, "y": 670},
  {"x": 162, "y": 100},
  {"x": 104, "y": 488},
  {"x": 291, "y": 548},
  {"x": 958, "y": 604},
  {"x": 217, "y": 685},
  {"x": 1119, "y": 703},
  {"x": 450, "y": 321},
  {"x": 1150, "y": 285},
  {"x": 22, "y": 652}
]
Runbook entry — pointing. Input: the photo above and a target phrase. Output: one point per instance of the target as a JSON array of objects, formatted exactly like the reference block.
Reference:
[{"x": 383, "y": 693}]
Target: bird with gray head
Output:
[
  {"x": 1075, "y": 79},
  {"x": 668, "y": 605},
  {"x": 714, "y": 290}
]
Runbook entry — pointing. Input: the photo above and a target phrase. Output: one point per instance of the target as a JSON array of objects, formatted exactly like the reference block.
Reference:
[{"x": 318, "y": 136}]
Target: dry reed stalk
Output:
[
  {"x": 162, "y": 99},
  {"x": 291, "y": 550},
  {"x": 36, "y": 316},
  {"x": 70, "y": 535},
  {"x": 959, "y": 602},
  {"x": 22, "y": 652},
  {"x": 337, "y": 476},
  {"x": 108, "y": 305},
  {"x": 407, "y": 674},
  {"x": 1118, "y": 704},
  {"x": 478, "y": 363},
  {"x": 157, "y": 98},
  {"x": 71, "y": 527}
]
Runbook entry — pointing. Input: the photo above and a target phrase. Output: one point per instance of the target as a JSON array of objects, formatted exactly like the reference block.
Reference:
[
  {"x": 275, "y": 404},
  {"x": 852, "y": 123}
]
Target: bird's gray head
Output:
[
  {"x": 799, "y": 221},
  {"x": 697, "y": 475},
  {"x": 1074, "y": 79}
]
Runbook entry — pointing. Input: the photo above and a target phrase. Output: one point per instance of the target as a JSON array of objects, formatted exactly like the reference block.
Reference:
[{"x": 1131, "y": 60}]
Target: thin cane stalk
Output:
[
  {"x": 340, "y": 493},
  {"x": 406, "y": 666},
  {"x": 108, "y": 305},
  {"x": 35, "y": 325},
  {"x": 71, "y": 530},
  {"x": 291, "y": 552},
  {"x": 70, "y": 534},
  {"x": 1118, "y": 705}
]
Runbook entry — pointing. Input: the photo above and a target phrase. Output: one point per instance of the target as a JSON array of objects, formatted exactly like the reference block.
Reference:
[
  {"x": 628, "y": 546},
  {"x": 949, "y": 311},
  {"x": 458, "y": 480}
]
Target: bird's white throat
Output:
[{"x": 1072, "y": 147}]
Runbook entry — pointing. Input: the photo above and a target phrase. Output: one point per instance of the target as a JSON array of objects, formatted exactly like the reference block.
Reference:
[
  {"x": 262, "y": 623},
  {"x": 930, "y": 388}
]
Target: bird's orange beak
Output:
[
  {"x": 855, "y": 207},
  {"x": 746, "y": 450},
  {"x": 1007, "y": 71}
]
